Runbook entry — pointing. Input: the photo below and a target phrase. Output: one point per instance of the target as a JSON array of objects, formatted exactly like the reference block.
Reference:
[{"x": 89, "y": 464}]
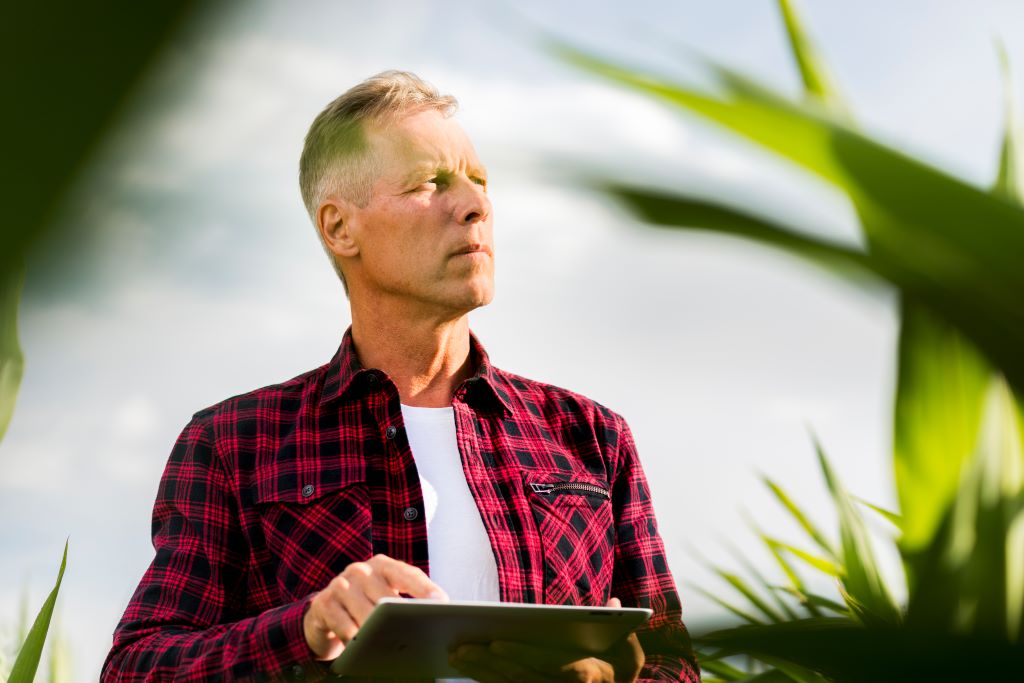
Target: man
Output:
[{"x": 408, "y": 465}]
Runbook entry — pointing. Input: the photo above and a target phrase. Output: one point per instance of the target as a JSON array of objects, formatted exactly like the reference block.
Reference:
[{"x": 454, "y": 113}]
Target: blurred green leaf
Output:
[
  {"x": 818, "y": 82},
  {"x": 1010, "y": 179},
  {"x": 800, "y": 133},
  {"x": 818, "y": 601},
  {"x": 799, "y": 515},
  {"x": 25, "y": 665},
  {"x": 822, "y": 564},
  {"x": 697, "y": 213},
  {"x": 12, "y": 360},
  {"x": 890, "y": 516},
  {"x": 964, "y": 582},
  {"x": 749, "y": 593},
  {"x": 738, "y": 611},
  {"x": 845, "y": 651},
  {"x": 939, "y": 393},
  {"x": 945, "y": 244},
  {"x": 861, "y": 577},
  {"x": 723, "y": 670}
]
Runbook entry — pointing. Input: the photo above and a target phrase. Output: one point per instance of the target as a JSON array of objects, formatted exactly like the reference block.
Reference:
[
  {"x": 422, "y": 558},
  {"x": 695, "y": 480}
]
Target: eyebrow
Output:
[{"x": 432, "y": 169}]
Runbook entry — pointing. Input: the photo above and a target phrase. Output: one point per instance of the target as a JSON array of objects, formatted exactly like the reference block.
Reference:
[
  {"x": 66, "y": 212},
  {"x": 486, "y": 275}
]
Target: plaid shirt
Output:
[{"x": 268, "y": 495}]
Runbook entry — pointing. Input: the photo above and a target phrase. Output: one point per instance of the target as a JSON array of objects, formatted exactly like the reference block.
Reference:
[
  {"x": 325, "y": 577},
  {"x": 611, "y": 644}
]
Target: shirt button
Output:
[
  {"x": 298, "y": 673},
  {"x": 371, "y": 378},
  {"x": 307, "y": 490},
  {"x": 411, "y": 513},
  {"x": 391, "y": 431}
]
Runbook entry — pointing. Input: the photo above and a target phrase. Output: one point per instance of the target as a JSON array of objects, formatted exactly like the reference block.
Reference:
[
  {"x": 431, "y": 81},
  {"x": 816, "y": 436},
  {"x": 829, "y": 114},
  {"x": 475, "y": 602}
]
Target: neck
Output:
[{"x": 427, "y": 358}]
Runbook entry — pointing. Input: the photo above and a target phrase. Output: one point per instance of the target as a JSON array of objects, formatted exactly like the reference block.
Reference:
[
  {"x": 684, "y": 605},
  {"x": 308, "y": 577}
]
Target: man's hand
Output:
[
  {"x": 504, "y": 661},
  {"x": 338, "y": 611}
]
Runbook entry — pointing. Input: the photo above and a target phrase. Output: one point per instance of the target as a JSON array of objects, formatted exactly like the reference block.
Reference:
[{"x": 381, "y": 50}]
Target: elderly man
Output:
[{"x": 408, "y": 464}]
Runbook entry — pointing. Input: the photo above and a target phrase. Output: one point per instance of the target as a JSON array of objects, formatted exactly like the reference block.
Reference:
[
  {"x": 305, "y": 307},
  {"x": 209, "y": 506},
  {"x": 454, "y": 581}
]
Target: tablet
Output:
[{"x": 411, "y": 637}]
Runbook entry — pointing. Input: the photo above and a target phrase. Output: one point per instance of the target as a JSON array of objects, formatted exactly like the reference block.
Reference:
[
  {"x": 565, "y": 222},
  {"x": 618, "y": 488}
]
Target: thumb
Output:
[{"x": 613, "y": 602}]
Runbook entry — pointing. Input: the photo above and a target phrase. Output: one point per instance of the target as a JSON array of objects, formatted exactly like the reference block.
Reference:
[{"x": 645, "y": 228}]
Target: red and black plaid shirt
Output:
[{"x": 268, "y": 495}]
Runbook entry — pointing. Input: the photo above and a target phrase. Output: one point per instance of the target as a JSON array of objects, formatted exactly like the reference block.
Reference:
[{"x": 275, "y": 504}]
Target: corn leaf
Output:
[
  {"x": 946, "y": 244},
  {"x": 817, "y": 600},
  {"x": 799, "y": 515},
  {"x": 967, "y": 582},
  {"x": 1010, "y": 179},
  {"x": 724, "y": 670},
  {"x": 890, "y": 516},
  {"x": 822, "y": 564},
  {"x": 741, "y": 613},
  {"x": 25, "y": 665},
  {"x": 818, "y": 81},
  {"x": 861, "y": 578},
  {"x": 940, "y": 390},
  {"x": 12, "y": 360}
]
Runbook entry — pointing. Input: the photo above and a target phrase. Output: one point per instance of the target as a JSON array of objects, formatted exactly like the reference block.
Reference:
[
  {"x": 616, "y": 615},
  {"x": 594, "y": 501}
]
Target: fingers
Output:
[
  {"x": 406, "y": 578},
  {"x": 337, "y": 612}
]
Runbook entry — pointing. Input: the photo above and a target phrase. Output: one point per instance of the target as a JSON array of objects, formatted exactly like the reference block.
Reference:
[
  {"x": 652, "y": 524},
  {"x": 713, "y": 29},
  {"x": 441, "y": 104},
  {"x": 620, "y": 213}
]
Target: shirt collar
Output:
[{"x": 345, "y": 375}]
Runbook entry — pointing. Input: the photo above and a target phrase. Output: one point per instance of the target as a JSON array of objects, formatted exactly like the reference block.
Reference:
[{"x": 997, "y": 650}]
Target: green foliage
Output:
[
  {"x": 25, "y": 665},
  {"x": 951, "y": 252},
  {"x": 12, "y": 360}
]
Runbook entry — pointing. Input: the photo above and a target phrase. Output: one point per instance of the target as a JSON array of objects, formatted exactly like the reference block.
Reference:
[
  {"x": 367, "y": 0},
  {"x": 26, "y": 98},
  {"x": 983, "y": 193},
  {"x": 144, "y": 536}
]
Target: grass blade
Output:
[
  {"x": 872, "y": 601},
  {"x": 24, "y": 670},
  {"x": 12, "y": 359},
  {"x": 818, "y": 82},
  {"x": 939, "y": 395},
  {"x": 1010, "y": 180},
  {"x": 824, "y": 565}
]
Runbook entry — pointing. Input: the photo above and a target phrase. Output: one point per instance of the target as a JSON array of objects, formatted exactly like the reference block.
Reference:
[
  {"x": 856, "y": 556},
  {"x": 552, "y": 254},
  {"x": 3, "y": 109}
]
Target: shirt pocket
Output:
[
  {"x": 313, "y": 532},
  {"x": 575, "y": 525}
]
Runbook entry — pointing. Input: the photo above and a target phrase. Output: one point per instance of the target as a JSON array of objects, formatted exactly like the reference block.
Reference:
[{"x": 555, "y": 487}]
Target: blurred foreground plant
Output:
[{"x": 952, "y": 251}]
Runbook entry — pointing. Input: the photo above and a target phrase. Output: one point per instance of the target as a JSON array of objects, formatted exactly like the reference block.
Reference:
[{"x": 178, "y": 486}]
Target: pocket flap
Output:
[{"x": 281, "y": 484}]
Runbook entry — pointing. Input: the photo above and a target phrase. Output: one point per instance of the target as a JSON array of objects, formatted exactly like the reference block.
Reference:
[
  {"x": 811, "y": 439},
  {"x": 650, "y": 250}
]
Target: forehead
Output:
[{"x": 426, "y": 140}]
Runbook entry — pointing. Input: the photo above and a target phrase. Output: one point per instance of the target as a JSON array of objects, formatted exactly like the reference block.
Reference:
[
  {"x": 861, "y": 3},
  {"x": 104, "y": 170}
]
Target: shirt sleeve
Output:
[
  {"x": 179, "y": 624},
  {"x": 641, "y": 575}
]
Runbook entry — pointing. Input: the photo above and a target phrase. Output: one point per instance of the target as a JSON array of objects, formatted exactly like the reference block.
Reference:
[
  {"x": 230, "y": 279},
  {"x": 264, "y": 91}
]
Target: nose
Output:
[{"x": 473, "y": 205}]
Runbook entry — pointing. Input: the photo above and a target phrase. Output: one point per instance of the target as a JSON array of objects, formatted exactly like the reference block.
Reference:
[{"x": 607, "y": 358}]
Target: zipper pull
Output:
[{"x": 544, "y": 489}]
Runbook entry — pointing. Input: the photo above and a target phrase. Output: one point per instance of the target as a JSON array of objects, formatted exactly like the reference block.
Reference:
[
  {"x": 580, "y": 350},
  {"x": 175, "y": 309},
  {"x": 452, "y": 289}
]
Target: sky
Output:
[{"x": 186, "y": 269}]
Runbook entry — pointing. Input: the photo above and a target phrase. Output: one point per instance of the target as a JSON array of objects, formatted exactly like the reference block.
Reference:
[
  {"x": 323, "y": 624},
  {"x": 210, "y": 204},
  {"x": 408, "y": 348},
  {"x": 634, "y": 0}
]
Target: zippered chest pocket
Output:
[
  {"x": 571, "y": 487},
  {"x": 575, "y": 525}
]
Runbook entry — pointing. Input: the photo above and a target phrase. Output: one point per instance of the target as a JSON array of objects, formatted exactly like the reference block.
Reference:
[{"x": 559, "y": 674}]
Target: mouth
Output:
[{"x": 475, "y": 249}]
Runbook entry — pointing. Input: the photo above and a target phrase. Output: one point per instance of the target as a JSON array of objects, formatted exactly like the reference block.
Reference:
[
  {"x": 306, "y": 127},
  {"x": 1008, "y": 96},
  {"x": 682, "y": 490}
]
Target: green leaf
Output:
[
  {"x": 818, "y": 601},
  {"x": 970, "y": 585},
  {"x": 1010, "y": 180},
  {"x": 750, "y": 594},
  {"x": 698, "y": 213},
  {"x": 939, "y": 395},
  {"x": 722, "y": 669},
  {"x": 25, "y": 665},
  {"x": 845, "y": 651},
  {"x": 958, "y": 246},
  {"x": 945, "y": 244},
  {"x": 822, "y": 564},
  {"x": 1015, "y": 576},
  {"x": 893, "y": 518},
  {"x": 12, "y": 360},
  {"x": 741, "y": 613},
  {"x": 818, "y": 82},
  {"x": 872, "y": 601},
  {"x": 801, "y": 518},
  {"x": 800, "y": 133}
]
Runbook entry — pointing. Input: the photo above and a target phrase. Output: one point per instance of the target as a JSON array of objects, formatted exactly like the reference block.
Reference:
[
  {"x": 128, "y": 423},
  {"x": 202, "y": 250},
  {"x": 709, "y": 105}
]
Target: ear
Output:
[{"x": 334, "y": 220}]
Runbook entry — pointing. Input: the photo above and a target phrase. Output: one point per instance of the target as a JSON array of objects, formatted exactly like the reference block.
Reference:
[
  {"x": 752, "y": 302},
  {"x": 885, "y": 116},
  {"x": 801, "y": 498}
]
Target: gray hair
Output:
[{"x": 336, "y": 156}]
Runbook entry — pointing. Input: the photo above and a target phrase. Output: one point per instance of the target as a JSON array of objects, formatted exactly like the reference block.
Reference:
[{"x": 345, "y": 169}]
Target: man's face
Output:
[{"x": 427, "y": 234}]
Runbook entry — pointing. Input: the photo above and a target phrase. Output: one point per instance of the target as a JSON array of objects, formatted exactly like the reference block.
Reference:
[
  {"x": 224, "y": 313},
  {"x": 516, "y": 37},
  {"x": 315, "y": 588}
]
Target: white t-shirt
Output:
[{"x": 461, "y": 559}]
